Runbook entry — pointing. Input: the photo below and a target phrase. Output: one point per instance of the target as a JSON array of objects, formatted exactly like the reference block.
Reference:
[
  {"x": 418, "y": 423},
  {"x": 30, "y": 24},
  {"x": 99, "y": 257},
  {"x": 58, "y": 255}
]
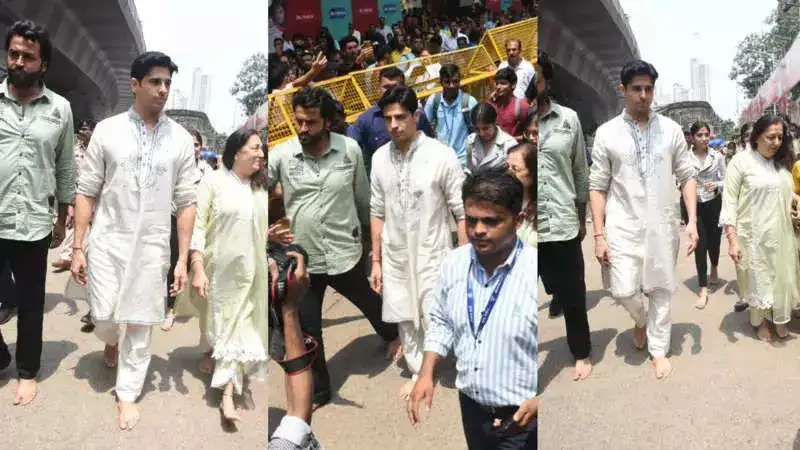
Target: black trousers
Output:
[
  {"x": 709, "y": 236},
  {"x": 173, "y": 261},
  {"x": 8, "y": 297},
  {"x": 354, "y": 286},
  {"x": 561, "y": 267},
  {"x": 28, "y": 264},
  {"x": 478, "y": 425}
]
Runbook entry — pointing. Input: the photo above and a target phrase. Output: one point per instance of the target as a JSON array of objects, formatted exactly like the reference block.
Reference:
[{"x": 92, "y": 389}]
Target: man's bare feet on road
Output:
[
  {"x": 639, "y": 337},
  {"x": 395, "y": 351},
  {"x": 128, "y": 415},
  {"x": 583, "y": 367},
  {"x": 662, "y": 367},
  {"x": 111, "y": 355},
  {"x": 26, "y": 392}
]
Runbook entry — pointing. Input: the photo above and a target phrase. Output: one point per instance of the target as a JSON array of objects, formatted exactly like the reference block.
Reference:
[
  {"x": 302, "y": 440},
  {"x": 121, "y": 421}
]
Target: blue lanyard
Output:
[{"x": 492, "y": 300}]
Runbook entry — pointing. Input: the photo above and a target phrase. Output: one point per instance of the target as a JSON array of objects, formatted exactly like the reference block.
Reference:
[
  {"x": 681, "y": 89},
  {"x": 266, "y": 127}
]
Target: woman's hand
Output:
[
  {"x": 733, "y": 250},
  {"x": 280, "y": 233},
  {"x": 200, "y": 281}
]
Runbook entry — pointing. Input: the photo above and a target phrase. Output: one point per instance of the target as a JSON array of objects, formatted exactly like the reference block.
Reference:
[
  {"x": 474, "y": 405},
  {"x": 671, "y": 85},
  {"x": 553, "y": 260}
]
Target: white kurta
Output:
[
  {"x": 134, "y": 175},
  {"x": 637, "y": 169},
  {"x": 416, "y": 196}
]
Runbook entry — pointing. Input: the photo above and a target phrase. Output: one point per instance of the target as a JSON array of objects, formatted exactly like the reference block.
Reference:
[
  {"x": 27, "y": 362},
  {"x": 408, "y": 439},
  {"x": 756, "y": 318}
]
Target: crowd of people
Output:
[
  {"x": 107, "y": 194},
  {"x": 414, "y": 195},
  {"x": 302, "y": 60}
]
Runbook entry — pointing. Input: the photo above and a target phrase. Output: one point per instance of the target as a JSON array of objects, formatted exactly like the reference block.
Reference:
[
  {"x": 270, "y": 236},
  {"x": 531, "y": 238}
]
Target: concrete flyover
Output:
[
  {"x": 588, "y": 42},
  {"x": 94, "y": 43},
  {"x": 687, "y": 113}
]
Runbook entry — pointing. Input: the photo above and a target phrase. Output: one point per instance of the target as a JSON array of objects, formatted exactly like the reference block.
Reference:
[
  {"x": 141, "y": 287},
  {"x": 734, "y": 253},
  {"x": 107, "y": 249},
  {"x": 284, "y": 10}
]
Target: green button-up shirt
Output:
[
  {"x": 37, "y": 163},
  {"x": 563, "y": 174},
  {"x": 326, "y": 200}
]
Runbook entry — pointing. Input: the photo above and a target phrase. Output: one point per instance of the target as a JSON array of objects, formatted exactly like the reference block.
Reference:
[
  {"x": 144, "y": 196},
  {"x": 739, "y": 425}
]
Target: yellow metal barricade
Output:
[{"x": 358, "y": 91}]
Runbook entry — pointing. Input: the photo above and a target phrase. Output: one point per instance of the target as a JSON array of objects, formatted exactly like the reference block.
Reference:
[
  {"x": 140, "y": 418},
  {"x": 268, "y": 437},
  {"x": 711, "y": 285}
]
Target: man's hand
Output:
[
  {"x": 691, "y": 233},
  {"x": 78, "y": 267},
  {"x": 376, "y": 277},
  {"x": 300, "y": 284},
  {"x": 59, "y": 231},
  {"x": 423, "y": 390},
  {"x": 526, "y": 412},
  {"x": 601, "y": 251},
  {"x": 181, "y": 278}
]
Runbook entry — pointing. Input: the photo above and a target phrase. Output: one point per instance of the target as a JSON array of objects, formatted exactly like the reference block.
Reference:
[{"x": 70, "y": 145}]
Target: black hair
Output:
[
  {"x": 380, "y": 51},
  {"x": 88, "y": 123},
  {"x": 196, "y": 134},
  {"x": 742, "y": 131},
  {"x": 697, "y": 126},
  {"x": 449, "y": 71},
  {"x": 236, "y": 141},
  {"x": 636, "y": 68},
  {"x": 784, "y": 158},
  {"x": 543, "y": 61},
  {"x": 506, "y": 74},
  {"x": 34, "y": 32},
  {"x": 530, "y": 159},
  {"x": 494, "y": 186},
  {"x": 392, "y": 73},
  {"x": 315, "y": 97},
  {"x": 277, "y": 73},
  {"x": 401, "y": 94},
  {"x": 145, "y": 62},
  {"x": 273, "y": 7},
  {"x": 346, "y": 40},
  {"x": 483, "y": 113}
]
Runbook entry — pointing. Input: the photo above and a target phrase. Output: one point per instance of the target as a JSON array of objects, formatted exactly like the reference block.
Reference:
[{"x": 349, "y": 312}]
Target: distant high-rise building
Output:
[
  {"x": 700, "y": 80},
  {"x": 177, "y": 100},
  {"x": 679, "y": 93},
  {"x": 194, "y": 102},
  {"x": 204, "y": 98}
]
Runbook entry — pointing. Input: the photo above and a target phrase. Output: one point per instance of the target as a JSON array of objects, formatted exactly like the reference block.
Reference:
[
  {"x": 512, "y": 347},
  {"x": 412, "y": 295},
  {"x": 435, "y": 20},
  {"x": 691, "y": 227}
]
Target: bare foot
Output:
[
  {"x": 639, "y": 337},
  {"x": 169, "y": 321},
  {"x": 26, "y": 392},
  {"x": 662, "y": 367},
  {"x": 763, "y": 333},
  {"x": 228, "y": 408},
  {"x": 207, "y": 363},
  {"x": 128, "y": 415},
  {"x": 407, "y": 389},
  {"x": 111, "y": 355},
  {"x": 702, "y": 300},
  {"x": 395, "y": 351},
  {"x": 782, "y": 331},
  {"x": 583, "y": 367}
]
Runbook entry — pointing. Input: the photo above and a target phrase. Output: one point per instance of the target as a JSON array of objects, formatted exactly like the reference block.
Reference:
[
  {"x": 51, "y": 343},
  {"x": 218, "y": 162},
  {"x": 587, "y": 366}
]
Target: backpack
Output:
[{"x": 465, "y": 112}]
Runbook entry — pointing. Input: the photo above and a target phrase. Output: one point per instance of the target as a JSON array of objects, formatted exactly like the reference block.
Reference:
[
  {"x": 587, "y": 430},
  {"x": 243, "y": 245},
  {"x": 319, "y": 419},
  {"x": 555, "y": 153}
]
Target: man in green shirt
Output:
[
  {"x": 37, "y": 174},
  {"x": 326, "y": 194}
]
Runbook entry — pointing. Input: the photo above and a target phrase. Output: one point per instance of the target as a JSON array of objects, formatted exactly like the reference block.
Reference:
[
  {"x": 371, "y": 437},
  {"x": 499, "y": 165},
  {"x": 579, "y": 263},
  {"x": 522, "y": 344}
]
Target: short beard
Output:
[{"x": 21, "y": 80}]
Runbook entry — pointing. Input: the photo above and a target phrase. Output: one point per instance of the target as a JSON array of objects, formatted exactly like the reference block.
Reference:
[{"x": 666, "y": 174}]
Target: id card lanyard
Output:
[{"x": 492, "y": 299}]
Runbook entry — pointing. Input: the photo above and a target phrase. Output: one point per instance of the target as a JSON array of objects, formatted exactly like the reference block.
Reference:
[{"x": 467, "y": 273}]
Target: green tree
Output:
[
  {"x": 758, "y": 54},
  {"x": 250, "y": 87},
  {"x": 727, "y": 130}
]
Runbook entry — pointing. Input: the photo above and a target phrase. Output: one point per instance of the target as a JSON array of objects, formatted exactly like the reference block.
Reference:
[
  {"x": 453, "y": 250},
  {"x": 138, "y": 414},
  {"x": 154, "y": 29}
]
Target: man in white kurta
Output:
[
  {"x": 132, "y": 172},
  {"x": 636, "y": 158},
  {"x": 415, "y": 193}
]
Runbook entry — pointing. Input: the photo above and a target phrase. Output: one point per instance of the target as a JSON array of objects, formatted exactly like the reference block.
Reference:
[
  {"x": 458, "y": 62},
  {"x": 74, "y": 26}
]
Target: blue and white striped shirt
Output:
[{"x": 500, "y": 368}]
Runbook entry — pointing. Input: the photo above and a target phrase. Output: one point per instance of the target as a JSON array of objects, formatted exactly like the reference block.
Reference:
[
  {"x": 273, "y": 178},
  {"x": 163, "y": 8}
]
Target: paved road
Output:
[
  {"x": 368, "y": 413},
  {"x": 76, "y": 410},
  {"x": 727, "y": 390}
]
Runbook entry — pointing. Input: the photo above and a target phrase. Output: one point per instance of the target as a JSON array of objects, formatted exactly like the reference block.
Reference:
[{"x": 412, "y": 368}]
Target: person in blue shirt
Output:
[
  {"x": 370, "y": 127},
  {"x": 449, "y": 111}
]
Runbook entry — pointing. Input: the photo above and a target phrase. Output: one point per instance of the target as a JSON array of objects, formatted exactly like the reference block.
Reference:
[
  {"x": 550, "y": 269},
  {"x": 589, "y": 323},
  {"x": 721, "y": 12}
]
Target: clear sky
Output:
[
  {"x": 670, "y": 32},
  {"x": 216, "y": 36}
]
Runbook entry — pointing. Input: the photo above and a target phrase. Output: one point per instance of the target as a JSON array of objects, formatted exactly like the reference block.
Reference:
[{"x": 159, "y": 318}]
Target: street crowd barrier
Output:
[{"x": 358, "y": 91}]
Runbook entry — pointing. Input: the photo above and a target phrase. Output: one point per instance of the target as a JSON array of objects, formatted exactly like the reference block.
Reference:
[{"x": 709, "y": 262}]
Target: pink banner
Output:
[{"x": 782, "y": 80}]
